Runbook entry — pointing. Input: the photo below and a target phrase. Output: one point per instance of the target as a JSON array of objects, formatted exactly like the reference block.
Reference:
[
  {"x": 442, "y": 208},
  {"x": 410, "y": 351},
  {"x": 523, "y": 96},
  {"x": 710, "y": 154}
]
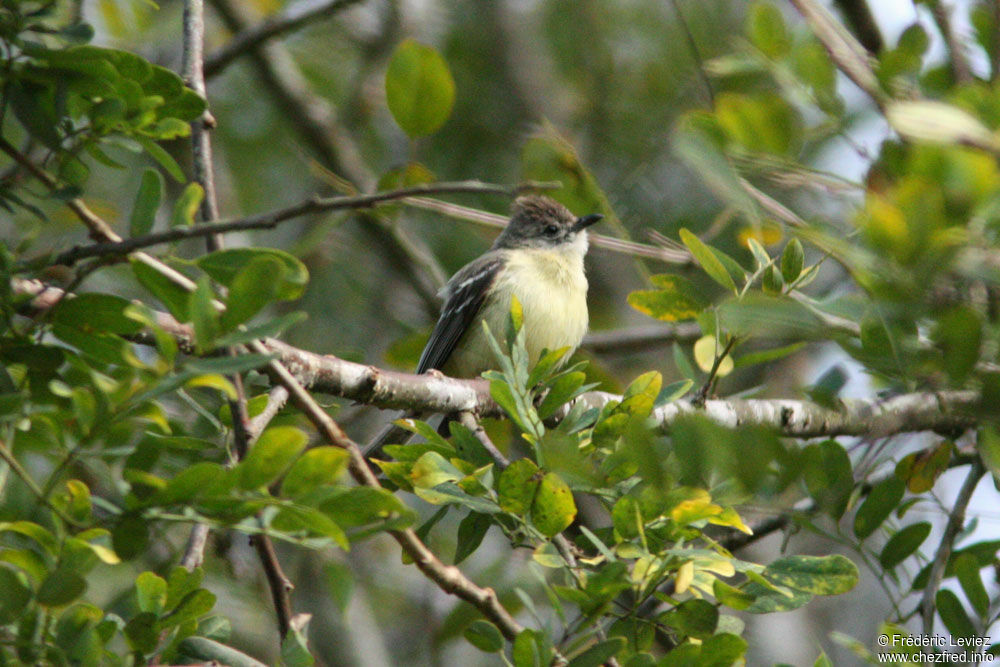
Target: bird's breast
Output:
[{"x": 552, "y": 289}]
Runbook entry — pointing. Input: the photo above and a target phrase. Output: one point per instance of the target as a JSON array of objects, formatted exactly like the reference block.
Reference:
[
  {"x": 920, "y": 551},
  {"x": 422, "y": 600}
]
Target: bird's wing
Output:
[{"x": 465, "y": 294}]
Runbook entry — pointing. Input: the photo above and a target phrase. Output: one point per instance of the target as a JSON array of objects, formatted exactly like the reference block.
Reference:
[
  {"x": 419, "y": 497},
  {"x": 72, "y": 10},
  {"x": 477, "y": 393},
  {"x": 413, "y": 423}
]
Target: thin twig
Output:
[
  {"x": 847, "y": 53},
  {"x": 956, "y": 521},
  {"x": 201, "y": 143},
  {"x": 621, "y": 246},
  {"x": 194, "y": 552},
  {"x": 699, "y": 64},
  {"x": 958, "y": 58},
  {"x": 285, "y": 22},
  {"x": 470, "y": 422},
  {"x": 271, "y": 219},
  {"x": 641, "y": 337},
  {"x": 449, "y": 579},
  {"x": 699, "y": 398},
  {"x": 859, "y": 15}
]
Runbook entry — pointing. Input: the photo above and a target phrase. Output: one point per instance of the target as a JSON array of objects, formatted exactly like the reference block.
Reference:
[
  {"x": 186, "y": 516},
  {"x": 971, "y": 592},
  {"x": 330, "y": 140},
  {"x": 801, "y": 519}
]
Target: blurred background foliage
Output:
[{"x": 649, "y": 112}]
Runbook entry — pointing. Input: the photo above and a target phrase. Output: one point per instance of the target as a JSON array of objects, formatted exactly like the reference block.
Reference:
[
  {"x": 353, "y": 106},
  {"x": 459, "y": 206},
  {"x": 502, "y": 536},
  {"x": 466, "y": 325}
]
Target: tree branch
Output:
[
  {"x": 956, "y": 521},
  {"x": 448, "y": 578},
  {"x": 958, "y": 59},
  {"x": 859, "y": 17},
  {"x": 641, "y": 337},
  {"x": 621, "y": 246},
  {"x": 921, "y": 411},
  {"x": 271, "y": 219},
  {"x": 287, "y": 21},
  {"x": 847, "y": 53}
]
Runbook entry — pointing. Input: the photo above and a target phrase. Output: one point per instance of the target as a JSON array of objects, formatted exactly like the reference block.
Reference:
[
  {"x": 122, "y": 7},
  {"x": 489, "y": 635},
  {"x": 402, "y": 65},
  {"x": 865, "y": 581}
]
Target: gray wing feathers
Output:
[{"x": 465, "y": 294}]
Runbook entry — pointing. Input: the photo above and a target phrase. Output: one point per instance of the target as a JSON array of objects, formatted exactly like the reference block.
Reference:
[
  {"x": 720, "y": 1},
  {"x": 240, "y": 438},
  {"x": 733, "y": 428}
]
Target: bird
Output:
[{"x": 538, "y": 259}]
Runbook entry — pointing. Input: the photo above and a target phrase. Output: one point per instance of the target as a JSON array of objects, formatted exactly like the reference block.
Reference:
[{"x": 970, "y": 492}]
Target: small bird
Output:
[{"x": 538, "y": 258}]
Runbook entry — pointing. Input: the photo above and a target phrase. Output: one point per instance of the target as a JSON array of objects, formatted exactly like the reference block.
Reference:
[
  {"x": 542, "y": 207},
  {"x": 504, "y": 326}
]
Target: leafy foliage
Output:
[{"x": 117, "y": 427}]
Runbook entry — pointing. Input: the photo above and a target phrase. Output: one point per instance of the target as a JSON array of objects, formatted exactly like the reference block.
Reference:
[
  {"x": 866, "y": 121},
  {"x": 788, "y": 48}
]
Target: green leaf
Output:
[
  {"x": 949, "y": 607},
  {"x": 527, "y": 650},
  {"x": 730, "y": 596},
  {"x": 295, "y": 646},
  {"x": 141, "y": 631},
  {"x": 92, "y": 312},
  {"x": 485, "y": 636},
  {"x": 190, "y": 483},
  {"x": 967, "y": 569},
  {"x": 698, "y": 141},
  {"x": 164, "y": 158},
  {"x": 254, "y": 286},
  {"x": 552, "y": 509},
  {"x": 151, "y": 592},
  {"x": 271, "y": 455},
  {"x": 204, "y": 316},
  {"x": 675, "y": 299},
  {"x": 173, "y": 297},
  {"x": 828, "y": 475},
  {"x": 769, "y": 601},
  {"x": 180, "y": 582},
  {"x": 938, "y": 122},
  {"x": 903, "y": 544},
  {"x": 922, "y": 469},
  {"x": 959, "y": 334},
  {"x": 193, "y": 605},
  {"x": 418, "y": 88},
  {"x": 224, "y": 265},
  {"x": 130, "y": 537},
  {"x": 318, "y": 466},
  {"x": 186, "y": 206},
  {"x": 767, "y": 31},
  {"x": 766, "y": 356},
  {"x": 16, "y": 594},
  {"x": 878, "y": 505},
  {"x": 723, "y": 649},
  {"x": 517, "y": 486},
  {"x": 61, "y": 587},
  {"x": 791, "y": 261},
  {"x": 471, "y": 531},
  {"x": 599, "y": 653},
  {"x": 819, "y": 575},
  {"x": 432, "y": 469},
  {"x": 272, "y": 328},
  {"x": 201, "y": 649},
  {"x": 147, "y": 201},
  {"x": 692, "y": 618},
  {"x": 707, "y": 259},
  {"x": 562, "y": 389}
]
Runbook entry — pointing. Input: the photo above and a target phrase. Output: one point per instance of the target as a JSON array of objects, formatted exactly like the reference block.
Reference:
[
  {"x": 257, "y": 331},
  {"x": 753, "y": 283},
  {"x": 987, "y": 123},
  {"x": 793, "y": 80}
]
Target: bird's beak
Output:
[{"x": 586, "y": 221}]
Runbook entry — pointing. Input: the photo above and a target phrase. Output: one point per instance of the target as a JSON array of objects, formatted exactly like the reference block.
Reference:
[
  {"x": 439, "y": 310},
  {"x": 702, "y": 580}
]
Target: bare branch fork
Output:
[{"x": 271, "y": 219}]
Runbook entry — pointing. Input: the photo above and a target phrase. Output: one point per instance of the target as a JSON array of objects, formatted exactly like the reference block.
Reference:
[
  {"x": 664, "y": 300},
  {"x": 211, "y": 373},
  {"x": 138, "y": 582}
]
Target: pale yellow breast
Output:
[{"x": 552, "y": 289}]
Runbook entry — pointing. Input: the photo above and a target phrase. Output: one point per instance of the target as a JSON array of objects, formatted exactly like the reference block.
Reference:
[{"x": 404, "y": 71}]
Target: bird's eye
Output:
[{"x": 551, "y": 230}]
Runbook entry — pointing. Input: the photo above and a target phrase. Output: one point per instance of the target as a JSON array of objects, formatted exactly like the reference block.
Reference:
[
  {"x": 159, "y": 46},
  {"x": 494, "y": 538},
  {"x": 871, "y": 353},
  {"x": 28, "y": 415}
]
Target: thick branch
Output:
[
  {"x": 287, "y": 21},
  {"x": 271, "y": 219},
  {"x": 922, "y": 411}
]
